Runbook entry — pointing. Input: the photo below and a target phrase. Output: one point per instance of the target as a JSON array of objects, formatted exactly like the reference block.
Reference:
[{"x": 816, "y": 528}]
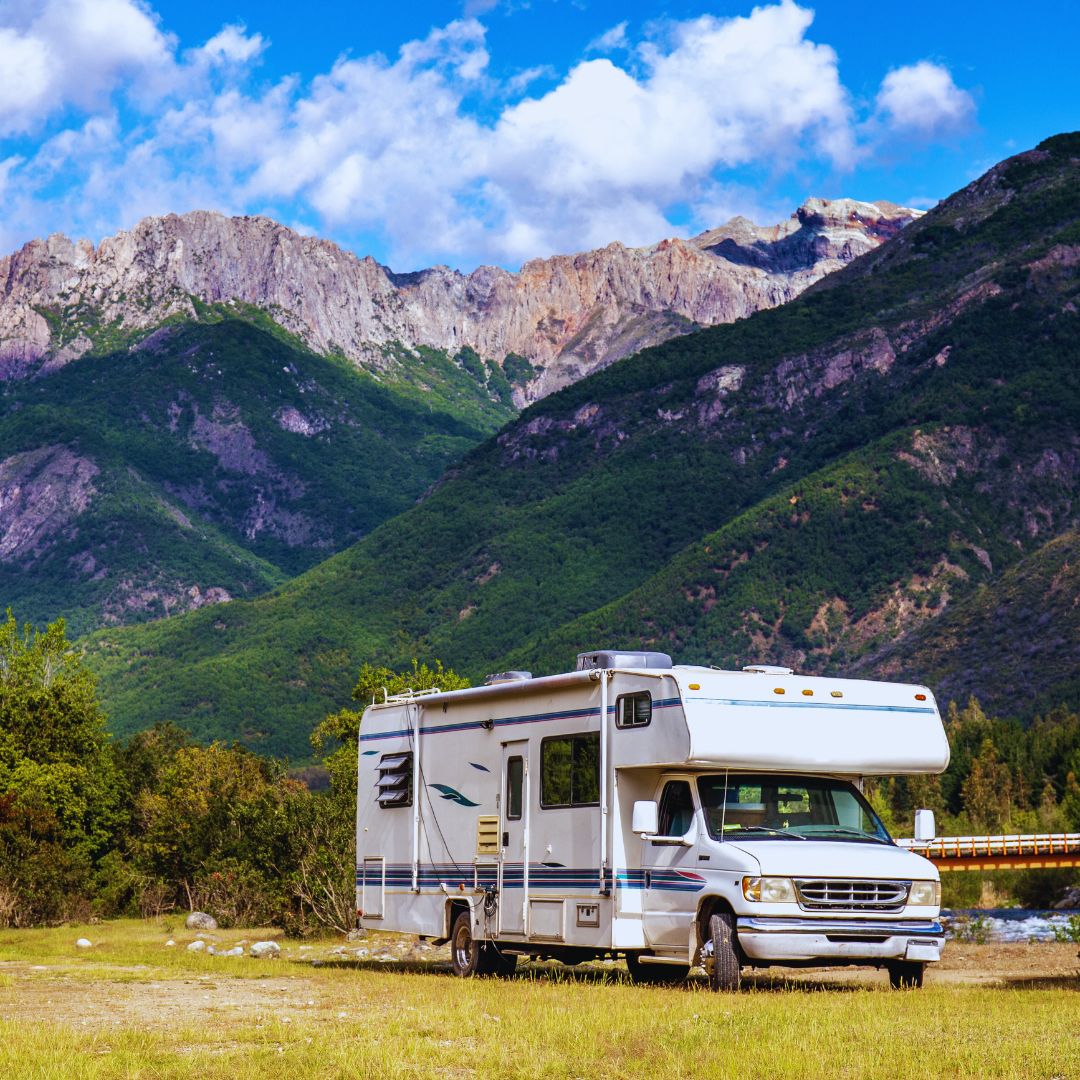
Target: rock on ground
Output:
[
  {"x": 263, "y": 949},
  {"x": 199, "y": 920}
]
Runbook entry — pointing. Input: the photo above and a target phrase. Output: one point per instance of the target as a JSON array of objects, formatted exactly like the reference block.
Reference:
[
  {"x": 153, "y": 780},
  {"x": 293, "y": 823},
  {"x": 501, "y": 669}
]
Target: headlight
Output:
[
  {"x": 925, "y": 893},
  {"x": 769, "y": 890}
]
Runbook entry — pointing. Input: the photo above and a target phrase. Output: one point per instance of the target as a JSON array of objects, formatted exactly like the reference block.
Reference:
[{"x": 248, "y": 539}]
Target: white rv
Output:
[{"x": 676, "y": 816}]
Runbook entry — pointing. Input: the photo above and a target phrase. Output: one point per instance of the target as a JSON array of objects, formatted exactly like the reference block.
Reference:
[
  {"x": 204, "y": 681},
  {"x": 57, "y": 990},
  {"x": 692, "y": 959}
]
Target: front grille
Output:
[{"x": 835, "y": 894}]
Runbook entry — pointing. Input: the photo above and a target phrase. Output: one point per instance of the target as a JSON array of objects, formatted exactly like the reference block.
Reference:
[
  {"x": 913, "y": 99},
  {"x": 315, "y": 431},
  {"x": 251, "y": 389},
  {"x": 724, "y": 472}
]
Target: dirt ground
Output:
[{"x": 108, "y": 995}]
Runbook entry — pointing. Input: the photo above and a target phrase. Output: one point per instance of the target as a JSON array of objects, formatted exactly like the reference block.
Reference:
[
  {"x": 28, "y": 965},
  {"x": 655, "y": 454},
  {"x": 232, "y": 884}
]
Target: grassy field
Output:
[{"x": 132, "y": 1007}]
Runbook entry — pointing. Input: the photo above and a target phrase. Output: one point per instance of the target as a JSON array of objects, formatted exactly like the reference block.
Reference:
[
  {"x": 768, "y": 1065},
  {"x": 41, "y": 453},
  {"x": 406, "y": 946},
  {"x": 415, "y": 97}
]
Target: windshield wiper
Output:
[
  {"x": 771, "y": 832},
  {"x": 846, "y": 830}
]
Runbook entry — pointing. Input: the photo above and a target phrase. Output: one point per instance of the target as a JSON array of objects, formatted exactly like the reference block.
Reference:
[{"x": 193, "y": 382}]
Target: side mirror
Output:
[
  {"x": 646, "y": 818},
  {"x": 925, "y": 826}
]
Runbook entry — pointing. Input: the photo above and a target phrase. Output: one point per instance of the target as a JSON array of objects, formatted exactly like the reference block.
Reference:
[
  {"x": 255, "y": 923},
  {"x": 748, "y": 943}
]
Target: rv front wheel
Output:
[{"x": 725, "y": 974}]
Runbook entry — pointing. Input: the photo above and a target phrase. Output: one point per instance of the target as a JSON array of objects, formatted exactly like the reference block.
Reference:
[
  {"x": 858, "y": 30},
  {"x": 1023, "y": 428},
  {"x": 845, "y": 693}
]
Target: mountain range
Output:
[
  {"x": 878, "y": 476},
  {"x": 203, "y": 407}
]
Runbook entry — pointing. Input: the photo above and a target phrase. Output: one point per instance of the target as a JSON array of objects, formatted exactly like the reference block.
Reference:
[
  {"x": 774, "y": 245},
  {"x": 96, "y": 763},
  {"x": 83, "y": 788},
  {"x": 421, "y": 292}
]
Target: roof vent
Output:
[
  {"x": 507, "y": 676},
  {"x": 768, "y": 669},
  {"x": 609, "y": 658}
]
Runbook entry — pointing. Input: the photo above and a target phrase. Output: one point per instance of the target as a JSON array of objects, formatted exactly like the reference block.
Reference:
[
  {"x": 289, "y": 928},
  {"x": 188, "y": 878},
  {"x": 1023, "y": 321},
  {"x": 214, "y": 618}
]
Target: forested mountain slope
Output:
[
  {"x": 215, "y": 459},
  {"x": 808, "y": 485}
]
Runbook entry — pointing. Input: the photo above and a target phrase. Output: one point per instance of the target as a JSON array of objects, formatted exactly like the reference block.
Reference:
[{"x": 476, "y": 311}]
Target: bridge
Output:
[{"x": 1034, "y": 851}]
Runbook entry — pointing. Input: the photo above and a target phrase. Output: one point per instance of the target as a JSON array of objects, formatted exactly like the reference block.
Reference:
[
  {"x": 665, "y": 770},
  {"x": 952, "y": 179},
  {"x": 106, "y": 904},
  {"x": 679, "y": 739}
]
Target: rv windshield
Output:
[{"x": 746, "y": 806}]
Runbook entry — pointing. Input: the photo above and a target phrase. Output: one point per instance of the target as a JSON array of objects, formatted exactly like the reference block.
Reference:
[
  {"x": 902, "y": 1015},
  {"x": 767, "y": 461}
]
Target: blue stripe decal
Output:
[
  {"x": 540, "y": 877},
  {"x": 508, "y": 721},
  {"x": 820, "y": 705}
]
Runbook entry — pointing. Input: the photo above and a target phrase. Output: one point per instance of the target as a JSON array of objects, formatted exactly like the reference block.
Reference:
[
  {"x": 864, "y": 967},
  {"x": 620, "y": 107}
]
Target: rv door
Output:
[{"x": 514, "y": 839}]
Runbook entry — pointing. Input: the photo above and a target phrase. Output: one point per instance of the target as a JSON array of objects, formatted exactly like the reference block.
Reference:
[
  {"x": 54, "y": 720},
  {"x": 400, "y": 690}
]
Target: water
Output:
[{"x": 1005, "y": 924}]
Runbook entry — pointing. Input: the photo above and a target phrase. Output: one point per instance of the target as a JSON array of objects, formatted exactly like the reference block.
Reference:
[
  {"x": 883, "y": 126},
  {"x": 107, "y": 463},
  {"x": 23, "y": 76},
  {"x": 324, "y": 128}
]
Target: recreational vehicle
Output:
[{"x": 674, "y": 816}]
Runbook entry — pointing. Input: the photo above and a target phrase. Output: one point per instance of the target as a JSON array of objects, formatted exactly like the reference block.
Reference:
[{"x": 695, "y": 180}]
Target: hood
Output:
[{"x": 832, "y": 859}]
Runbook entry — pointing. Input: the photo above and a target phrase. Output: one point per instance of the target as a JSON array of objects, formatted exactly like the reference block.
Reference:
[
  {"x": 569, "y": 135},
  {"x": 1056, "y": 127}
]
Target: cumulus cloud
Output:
[
  {"x": 426, "y": 154},
  {"x": 75, "y": 52},
  {"x": 232, "y": 44},
  {"x": 610, "y": 40},
  {"x": 923, "y": 98}
]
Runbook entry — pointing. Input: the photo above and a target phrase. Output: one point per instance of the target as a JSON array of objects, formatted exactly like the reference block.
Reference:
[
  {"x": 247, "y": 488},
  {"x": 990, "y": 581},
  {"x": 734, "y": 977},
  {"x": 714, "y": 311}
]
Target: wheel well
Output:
[
  {"x": 709, "y": 907},
  {"x": 453, "y": 909}
]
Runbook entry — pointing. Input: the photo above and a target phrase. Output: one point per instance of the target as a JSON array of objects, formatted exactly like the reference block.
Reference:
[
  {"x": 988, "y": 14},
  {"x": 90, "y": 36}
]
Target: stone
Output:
[
  {"x": 262, "y": 950},
  {"x": 1070, "y": 899},
  {"x": 197, "y": 945},
  {"x": 170, "y": 943},
  {"x": 199, "y": 920},
  {"x": 569, "y": 315},
  {"x": 83, "y": 943},
  {"x": 236, "y": 950}
]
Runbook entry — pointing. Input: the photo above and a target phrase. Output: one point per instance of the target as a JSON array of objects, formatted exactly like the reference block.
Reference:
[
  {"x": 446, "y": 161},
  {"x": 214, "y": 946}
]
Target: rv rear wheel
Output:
[
  {"x": 654, "y": 973},
  {"x": 469, "y": 957},
  {"x": 905, "y": 974},
  {"x": 725, "y": 974}
]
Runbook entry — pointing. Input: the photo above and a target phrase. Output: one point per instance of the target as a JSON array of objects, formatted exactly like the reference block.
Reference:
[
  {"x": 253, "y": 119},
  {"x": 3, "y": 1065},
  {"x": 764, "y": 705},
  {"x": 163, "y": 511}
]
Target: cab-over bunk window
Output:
[{"x": 633, "y": 710}]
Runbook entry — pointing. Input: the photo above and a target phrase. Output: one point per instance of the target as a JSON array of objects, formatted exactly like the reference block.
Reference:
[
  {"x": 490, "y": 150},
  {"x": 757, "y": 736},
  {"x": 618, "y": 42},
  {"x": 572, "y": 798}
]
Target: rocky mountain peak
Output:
[{"x": 567, "y": 315}]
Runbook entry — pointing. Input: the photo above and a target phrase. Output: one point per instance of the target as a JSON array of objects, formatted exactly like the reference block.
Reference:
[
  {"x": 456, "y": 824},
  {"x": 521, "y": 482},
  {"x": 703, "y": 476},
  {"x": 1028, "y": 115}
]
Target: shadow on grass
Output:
[
  {"x": 561, "y": 973},
  {"x": 1043, "y": 982}
]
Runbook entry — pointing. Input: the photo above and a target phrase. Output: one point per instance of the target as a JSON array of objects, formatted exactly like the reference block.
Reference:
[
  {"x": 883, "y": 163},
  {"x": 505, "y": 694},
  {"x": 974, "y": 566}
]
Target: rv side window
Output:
[
  {"x": 633, "y": 710},
  {"x": 570, "y": 771},
  {"x": 676, "y": 809},
  {"x": 395, "y": 780},
  {"x": 515, "y": 781}
]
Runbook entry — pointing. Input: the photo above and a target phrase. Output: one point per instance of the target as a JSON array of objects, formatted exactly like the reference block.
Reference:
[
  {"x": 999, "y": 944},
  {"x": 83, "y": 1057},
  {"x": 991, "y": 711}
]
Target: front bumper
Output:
[{"x": 787, "y": 938}]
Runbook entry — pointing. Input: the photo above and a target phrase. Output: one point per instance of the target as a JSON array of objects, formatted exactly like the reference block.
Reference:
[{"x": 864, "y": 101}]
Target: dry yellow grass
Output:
[{"x": 129, "y": 1007}]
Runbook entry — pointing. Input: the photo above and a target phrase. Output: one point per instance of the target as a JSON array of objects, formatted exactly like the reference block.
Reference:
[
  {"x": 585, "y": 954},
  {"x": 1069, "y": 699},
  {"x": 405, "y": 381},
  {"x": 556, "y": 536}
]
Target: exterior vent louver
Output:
[{"x": 394, "y": 783}]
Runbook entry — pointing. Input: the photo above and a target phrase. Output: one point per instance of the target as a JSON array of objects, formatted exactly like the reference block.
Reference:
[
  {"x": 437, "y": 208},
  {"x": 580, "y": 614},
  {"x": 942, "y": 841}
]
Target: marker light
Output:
[
  {"x": 779, "y": 690},
  {"x": 695, "y": 686},
  {"x": 836, "y": 693},
  {"x": 920, "y": 697},
  {"x": 808, "y": 693}
]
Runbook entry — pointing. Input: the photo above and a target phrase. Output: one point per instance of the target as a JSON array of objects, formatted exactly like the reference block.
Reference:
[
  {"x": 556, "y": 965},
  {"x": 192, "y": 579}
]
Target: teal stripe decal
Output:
[{"x": 816, "y": 705}]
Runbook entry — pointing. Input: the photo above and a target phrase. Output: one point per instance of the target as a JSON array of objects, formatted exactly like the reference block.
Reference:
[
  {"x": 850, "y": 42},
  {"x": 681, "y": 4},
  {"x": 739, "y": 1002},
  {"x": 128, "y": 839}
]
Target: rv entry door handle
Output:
[
  {"x": 648, "y": 879},
  {"x": 506, "y": 840}
]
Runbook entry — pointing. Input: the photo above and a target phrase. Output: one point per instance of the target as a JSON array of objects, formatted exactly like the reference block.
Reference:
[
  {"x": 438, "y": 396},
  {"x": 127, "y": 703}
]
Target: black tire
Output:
[
  {"x": 469, "y": 957},
  {"x": 906, "y": 974},
  {"x": 654, "y": 974},
  {"x": 464, "y": 948},
  {"x": 725, "y": 974}
]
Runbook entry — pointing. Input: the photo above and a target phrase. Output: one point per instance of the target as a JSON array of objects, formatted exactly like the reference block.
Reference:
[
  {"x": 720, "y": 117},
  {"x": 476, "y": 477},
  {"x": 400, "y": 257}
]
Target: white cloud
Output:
[
  {"x": 61, "y": 53},
  {"x": 610, "y": 40},
  {"x": 923, "y": 98},
  {"x": 427, "y": 154},
  {"x": 231, "y": 44}
]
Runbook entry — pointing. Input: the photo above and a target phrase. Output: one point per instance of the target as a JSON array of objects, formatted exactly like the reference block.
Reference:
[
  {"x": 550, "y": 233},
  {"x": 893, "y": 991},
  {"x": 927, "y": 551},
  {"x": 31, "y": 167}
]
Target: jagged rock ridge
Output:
[{"x": 568, "y": 315}]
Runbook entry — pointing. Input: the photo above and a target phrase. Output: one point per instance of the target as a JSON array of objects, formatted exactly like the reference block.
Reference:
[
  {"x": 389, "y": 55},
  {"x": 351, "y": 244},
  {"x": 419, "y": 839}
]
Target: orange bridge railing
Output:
[{"x": 1035, "y": 851}]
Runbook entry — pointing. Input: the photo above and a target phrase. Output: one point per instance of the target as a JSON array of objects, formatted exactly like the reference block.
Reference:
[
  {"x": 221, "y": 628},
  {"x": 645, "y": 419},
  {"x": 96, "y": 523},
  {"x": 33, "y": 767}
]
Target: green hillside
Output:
[
  {"x": 1014, "y": 640},
  {"x": 217, "y": 455},
  {"x": 857, "y": 461}
]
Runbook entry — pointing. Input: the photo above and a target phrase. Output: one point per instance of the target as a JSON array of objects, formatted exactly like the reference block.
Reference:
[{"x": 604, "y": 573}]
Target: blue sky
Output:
[{"x": 490, "y": 131}]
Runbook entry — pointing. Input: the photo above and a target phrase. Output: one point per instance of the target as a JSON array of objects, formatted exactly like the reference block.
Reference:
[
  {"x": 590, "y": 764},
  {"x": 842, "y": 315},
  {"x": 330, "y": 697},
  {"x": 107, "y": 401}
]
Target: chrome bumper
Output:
[{"x": 779, "y": 938}]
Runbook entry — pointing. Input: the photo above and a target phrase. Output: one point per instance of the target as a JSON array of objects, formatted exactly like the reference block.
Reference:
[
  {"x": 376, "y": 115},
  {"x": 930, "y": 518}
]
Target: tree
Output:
[
  {"x": 218, "y": 827},
  {"x": 60, "y": 790},
  {"x": 325, "y": 882}
]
